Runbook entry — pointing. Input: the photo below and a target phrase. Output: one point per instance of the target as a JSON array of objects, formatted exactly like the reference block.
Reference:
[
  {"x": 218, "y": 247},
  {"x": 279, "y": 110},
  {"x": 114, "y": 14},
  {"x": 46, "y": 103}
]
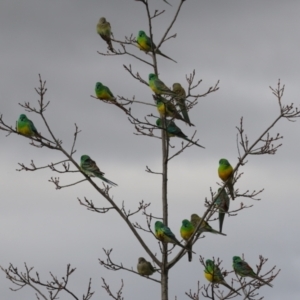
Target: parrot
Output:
[
  {"x": 205, "y": 227},
  {"x": 165, "y": 235},
  {"x": 243, "y": 269},
  {"x": 89, "y": 167},
  {"x": 222, "y": 203},
  {"x": 186, "y": 230},
  {"x": 158, "y": 87},
  {"x": 226, "y": 173},
  {"x": 213, "y": 274},
  {"x": 104, "y": 30},
  {"x": 174, "y": 130},
  {"x": 180, "y": 99},
  {"x": 167, "y": 108},
  {"x": 103, "y": 92},
  {"x": 145, "y": 44},
  {"x": 144, "y": 267},
  {"x": 27, "y": 128}
]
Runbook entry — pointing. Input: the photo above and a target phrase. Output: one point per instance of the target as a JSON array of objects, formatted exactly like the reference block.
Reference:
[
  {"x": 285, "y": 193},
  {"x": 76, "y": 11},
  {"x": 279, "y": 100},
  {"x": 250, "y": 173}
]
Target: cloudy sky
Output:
[{"x": 247, "y": 45}]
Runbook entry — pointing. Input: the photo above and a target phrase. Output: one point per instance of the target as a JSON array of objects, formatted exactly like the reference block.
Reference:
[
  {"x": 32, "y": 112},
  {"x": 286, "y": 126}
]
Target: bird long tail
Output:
[
  {"x": 160, "y": 53},
  {"x": 108, "y": 181},
  {"x": 265, "y": 282},
  {"x": 221, "y": 220},
  {"x": 193, "y": 142}
]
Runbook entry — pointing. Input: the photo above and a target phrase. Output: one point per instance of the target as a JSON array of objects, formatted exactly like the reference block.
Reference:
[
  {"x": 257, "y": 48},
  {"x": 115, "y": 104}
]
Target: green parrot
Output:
[
  {"x": 145, "y": 44},
  {"x": 186, "y": 230},
  {"x": 144, "y": 267},
  {"x": 89, "y": 167},
  {"x": 104, "y": 93},
  {"x": 180, "y": 99},
  {"x": 174, "y": 130},
  {"x": 167, "y": 108},
  {"x": 158, "y": 87},
  {"x": 222, "y": 203},
  {"x": 243, "y": 269},
  {"x": 27, "y": 128},
  {"x": 205, "y": 227},
  {"x": 104, "y": 30},
  {"x": 226, "y": 174},
  {"x": 213, "y": 274},
  {"x": 165, "y": 235}
]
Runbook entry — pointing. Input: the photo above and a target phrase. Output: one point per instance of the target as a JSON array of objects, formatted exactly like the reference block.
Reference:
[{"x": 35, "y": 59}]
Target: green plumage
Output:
[
  {"x": 213, "y": 274},
  {"x": 186, "y": 231},
  {"x": 158, "y": 87},
  {"x": 173, "y": 130},
  {"x": 89, "y": 167},
  {"x": 145, "y": 44},
  {"x": 243, "y": 269}
]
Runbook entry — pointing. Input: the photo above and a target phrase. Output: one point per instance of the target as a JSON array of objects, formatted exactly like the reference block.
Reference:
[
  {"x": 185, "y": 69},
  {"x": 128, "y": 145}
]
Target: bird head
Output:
[
  {"x": 224, "y": 162},
  {"x": 141, "y": 33},
  {"x": 141, "y": 259},
  {"x": 102, "y": 20},
  {"x": 84, "y": 158},
  {"x": 99, "y": 85},
  {"x": 152, "y": 76},
  {"x": 22, "y": 117},
  {"x": 236, "y": 259}
]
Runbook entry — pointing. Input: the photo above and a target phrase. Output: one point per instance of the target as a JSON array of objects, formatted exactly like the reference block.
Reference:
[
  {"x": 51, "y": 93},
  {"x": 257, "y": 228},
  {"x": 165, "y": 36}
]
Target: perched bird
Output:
[
  {"x": 180, "y": 99},
  {"x": 144, "y": 267},
  {"x": 27, "y": 128},
  {"x": 222, "y": 202},
  {"x": 165, "y": 235},
  {"x": 174, "y": 130},
  {"x": 213, "y": 274},
  {"x": 145, "y": 44},
  {"x": 103, "y": 92},
  {"x": 204, "y": 227},
  {"x": 186, "y": 230},
  {"x": 89, "y": 167},
  {"x": 104, "y": 30},
  {"x": 167, "y": 108},
  {"x": 226, "y": 173},
  {"x": 158, "y": 87},
  {"x": 243, "y": 269}
]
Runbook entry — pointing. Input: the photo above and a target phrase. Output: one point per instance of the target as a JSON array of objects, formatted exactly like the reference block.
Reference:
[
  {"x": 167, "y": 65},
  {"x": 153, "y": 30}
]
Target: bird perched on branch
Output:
[
  {"x": 225, "y": 172},
  {"x": 213, "y": 274},
  {"x": 145, "y": 44},
  {"x": 186, "y": 231},
  {"x": 27, "y": 128},
  {"x": 173, "y": 130},
  {"x": 89, "y": 167},
  {"x": 165, "y": 235},
  {"x": 158, "y": 87},
  {"x": 243, "y": 269},
  {"x": 103, "y": 92},
  {"x": 180, "y": 99},
  {"x": 104, "y": 30},
  {"x": 204, "y": 227},
  {"x": 167, "y": 108},
  {"x": 222, "y": 202},
  {"x": 144, "y": 267}
]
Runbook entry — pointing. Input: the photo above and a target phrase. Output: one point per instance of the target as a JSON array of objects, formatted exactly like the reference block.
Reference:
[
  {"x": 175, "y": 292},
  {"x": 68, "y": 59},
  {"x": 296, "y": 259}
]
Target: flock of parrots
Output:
[{"x": 165, "y": 108}]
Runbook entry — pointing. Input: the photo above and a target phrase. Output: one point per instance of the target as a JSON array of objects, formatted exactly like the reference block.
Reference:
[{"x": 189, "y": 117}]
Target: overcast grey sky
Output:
[{"x": 247, "y": 45}]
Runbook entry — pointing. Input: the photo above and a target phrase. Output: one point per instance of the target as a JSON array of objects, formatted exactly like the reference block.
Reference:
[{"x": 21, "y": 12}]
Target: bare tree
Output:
[{"x": 146, "y": 126}]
